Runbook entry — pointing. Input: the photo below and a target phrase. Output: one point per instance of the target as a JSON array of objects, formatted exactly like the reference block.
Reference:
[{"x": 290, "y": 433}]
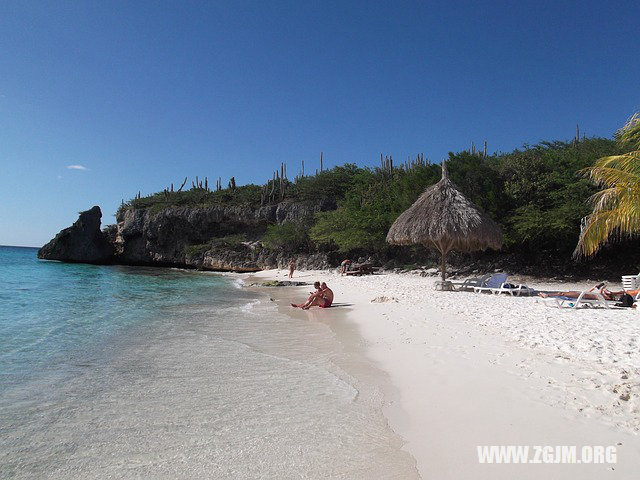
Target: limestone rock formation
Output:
[
  {"x": 186, "y": 236},
  {"x": 83, "y": 242},
  {"x": 164, "y": 238}
]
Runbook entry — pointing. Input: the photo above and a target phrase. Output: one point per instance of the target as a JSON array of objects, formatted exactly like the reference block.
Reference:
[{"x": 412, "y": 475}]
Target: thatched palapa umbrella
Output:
[{"x": 444, "y": 219}]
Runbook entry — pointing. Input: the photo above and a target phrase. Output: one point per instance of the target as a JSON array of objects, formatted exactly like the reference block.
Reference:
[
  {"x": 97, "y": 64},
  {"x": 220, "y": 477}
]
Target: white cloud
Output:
[{"x": 77, "y": 167}]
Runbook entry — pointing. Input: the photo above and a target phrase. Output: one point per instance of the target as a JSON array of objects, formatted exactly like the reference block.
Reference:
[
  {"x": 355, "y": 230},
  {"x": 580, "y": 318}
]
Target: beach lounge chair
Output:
[
  {"x": 469, "y": 283},
  {"x": 362, "y": 269},
  {"x": 570, "y": 302},
  {"x": 517, "y": 290},
  {"x": 497, "y": 280},
  {"x": 630, "y": 282}
]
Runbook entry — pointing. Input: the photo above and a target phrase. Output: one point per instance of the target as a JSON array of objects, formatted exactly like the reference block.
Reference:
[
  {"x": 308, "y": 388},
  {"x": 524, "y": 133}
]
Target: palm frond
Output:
[
  {"x": 609, "y": 176},
  {"x": 601, "y": 227},
  {"x": 630, "y": 133},
  {"x": 616, "y": 208}
]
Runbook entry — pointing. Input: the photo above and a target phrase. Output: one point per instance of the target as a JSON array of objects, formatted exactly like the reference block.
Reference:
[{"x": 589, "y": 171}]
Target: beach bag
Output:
[{"x": 626, "y": 300}]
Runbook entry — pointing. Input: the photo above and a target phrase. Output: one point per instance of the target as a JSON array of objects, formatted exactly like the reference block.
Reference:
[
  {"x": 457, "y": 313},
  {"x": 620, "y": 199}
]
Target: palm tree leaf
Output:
[
  {"x": 611, "y": 176},
  {"x": 616, "y": 208},
  {"x": 630, "y": 133}
]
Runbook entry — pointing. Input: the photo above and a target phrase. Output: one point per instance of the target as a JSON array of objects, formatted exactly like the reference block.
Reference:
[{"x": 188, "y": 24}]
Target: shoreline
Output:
[
  {"x": 351, "y": 359},
  {"x": 216, "y": 382},
  {"x": 458, "y": 379}
]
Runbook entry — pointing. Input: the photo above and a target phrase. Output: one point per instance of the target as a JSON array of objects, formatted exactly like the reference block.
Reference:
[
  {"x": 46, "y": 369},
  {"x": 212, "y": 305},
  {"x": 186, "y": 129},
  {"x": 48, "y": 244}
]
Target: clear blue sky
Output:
[{"x": 142, "y": 94}]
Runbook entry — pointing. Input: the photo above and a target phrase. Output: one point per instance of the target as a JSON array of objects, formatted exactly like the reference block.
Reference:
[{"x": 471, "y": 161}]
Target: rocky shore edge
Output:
[{"x": 181, "y": 237}]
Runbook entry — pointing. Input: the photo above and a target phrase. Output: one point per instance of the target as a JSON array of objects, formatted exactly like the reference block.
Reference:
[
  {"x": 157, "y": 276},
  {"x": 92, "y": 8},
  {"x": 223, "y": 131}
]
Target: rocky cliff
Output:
[
  {"x": 145, "y": 237},
  {"x": 184, "y": 237},
  {"x": 83, "y": 242}
]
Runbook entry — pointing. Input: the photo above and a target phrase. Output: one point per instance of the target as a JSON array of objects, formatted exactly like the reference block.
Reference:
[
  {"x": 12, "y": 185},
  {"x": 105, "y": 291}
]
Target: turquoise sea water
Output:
[
  {"x": 56, "y": 315},
  {"x": 122, "y": 372}
]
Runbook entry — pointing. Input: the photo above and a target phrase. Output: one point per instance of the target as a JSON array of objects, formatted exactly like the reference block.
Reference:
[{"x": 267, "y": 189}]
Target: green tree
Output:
[
  {"x": 616, "y": 208},
  {"x": 363, "y": 217},
  {"x": 544, "y": 196}
]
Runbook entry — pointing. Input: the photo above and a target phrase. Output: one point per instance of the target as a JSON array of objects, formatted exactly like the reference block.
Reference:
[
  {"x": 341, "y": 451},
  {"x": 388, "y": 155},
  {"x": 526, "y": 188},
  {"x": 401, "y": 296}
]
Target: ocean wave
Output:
[{"x": 247, "y": 307}]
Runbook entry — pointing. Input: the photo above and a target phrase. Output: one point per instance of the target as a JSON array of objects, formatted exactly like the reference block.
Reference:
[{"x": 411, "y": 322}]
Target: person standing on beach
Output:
[
  {"x": 344, "y": 266},
  {"x": 292, "y": 267}
]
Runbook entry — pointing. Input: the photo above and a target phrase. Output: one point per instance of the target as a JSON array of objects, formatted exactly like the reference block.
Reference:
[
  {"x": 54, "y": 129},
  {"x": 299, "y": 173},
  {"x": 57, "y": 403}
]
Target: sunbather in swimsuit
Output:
[
  {"x": 312, "y": 296},
  {"x": 606, "y": 294},
  {"x": 324, "y": 300}
]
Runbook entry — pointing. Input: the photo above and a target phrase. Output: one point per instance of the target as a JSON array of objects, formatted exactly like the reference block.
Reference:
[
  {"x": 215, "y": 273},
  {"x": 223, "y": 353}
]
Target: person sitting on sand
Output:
[
  {"x": 312, "y": 295},
  {"x": 322, "y": 298}
]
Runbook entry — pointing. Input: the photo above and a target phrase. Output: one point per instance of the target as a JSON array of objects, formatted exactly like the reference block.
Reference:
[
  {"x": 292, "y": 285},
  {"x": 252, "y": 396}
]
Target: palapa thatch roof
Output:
[{"x": 444, "y": 219}]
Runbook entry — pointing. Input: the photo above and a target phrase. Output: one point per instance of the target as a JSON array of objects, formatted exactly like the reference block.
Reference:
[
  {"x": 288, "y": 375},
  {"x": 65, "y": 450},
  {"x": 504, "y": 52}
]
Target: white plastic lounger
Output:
[
  {"x": 630, "y": 282},
  {"x": 470, "y": 283},
  {"x": 570, "y": 302},
  {"x": 512, "y": 290},
  {"x": 497, "y": 280}
]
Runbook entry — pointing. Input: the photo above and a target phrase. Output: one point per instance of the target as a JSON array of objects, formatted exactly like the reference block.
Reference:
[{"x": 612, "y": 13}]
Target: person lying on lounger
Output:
[
  {"x": 606, "y": 294},
  {"x": 617, "y": 296}
]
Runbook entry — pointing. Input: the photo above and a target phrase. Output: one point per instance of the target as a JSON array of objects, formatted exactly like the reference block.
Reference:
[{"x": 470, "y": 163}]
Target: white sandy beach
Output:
[{"x": 477, "y": 369}]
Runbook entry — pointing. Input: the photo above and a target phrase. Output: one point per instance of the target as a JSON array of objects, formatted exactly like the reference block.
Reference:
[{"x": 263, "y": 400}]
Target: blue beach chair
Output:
[{"x": 497, "y": 280}]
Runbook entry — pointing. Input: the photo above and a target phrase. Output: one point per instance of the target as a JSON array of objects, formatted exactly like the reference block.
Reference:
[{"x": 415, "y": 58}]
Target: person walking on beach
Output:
[{"x": 292, "y": 267}]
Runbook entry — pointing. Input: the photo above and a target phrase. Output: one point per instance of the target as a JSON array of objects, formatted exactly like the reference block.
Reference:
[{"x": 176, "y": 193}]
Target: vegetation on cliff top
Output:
[{"x": 536, "y": 194}]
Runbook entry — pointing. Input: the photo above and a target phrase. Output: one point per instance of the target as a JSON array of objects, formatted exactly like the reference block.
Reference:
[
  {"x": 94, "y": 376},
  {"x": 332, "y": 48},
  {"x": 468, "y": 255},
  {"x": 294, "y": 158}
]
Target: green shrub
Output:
[
  {"x": 536, "y": 194},
  {"x": 229, "y": 242},
  {"x": 288, "y": 237}
]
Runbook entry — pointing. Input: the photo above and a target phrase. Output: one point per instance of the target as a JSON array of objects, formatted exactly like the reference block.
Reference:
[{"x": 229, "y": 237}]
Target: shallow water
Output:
[{"x": 136, "y": 372}]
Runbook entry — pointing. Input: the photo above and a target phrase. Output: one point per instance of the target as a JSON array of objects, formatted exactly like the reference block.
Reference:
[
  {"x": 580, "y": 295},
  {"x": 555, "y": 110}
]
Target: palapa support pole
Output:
[
  {"x": 444, "y": 249},
  {"x": 443, "y": 257},
  {"x": 443, "y": 265}
]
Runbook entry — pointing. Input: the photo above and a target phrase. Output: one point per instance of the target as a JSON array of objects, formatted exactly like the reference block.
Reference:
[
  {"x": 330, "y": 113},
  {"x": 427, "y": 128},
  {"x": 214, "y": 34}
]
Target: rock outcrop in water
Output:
[
  {"x": 83, "y": 242},
  {"x": 185, "y": 237}
]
